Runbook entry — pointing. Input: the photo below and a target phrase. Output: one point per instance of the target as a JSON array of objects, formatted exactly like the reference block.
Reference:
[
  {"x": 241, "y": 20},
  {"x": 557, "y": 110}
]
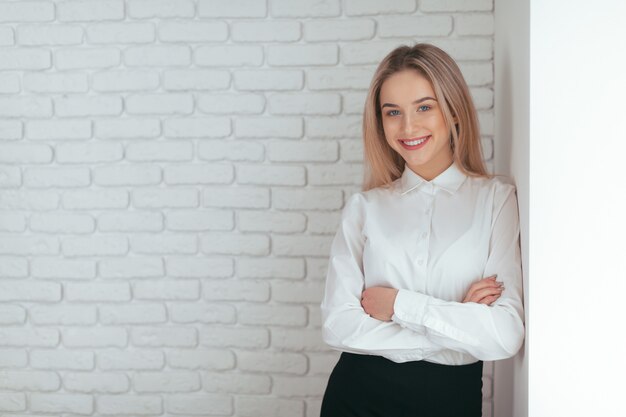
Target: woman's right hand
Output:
[{"x": 485, "y": 291}]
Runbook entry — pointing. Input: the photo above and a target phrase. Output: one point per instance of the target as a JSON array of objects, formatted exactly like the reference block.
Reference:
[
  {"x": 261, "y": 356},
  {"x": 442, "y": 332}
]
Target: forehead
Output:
[{"x": 405, "y": 87}]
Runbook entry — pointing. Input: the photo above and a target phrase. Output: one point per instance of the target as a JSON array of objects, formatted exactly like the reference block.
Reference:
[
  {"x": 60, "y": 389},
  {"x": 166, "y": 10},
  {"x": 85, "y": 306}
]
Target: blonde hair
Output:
[{"x": 383, "y": 165}]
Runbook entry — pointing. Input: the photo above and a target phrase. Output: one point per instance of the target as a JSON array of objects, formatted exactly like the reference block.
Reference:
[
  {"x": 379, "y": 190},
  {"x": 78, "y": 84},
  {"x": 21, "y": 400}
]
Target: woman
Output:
[{"x": 406, "y": 300}]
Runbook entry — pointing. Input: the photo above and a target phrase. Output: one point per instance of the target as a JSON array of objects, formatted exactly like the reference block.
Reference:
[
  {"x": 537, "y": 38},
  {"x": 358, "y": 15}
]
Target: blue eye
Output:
[
  {"x": 393, "y": 112},
  {"x": 425, "y": 107}
]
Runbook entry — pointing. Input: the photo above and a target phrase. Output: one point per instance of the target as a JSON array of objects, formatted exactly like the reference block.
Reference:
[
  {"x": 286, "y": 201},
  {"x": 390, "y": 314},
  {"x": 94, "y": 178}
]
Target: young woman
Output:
[{"x": 424, "y": 281}]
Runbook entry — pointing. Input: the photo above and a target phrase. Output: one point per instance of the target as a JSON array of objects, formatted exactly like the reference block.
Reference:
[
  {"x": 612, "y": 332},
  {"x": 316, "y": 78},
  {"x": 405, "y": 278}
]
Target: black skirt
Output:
[{"x": 368, "y": 386}]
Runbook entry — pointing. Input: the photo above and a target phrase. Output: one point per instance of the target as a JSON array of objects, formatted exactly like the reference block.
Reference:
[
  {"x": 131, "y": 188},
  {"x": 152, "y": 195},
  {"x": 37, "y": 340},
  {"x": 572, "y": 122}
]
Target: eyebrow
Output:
[{"x": 415, "y": 102}]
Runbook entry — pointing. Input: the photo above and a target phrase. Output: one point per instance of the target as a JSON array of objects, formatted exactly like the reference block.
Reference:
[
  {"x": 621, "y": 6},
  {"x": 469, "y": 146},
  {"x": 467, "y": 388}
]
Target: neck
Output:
[{"x": 431, "y": 171}]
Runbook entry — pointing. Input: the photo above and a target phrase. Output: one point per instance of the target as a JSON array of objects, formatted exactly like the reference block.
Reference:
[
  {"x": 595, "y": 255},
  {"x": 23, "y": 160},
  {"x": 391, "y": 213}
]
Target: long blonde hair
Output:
[{"x": 383, "y": 165}]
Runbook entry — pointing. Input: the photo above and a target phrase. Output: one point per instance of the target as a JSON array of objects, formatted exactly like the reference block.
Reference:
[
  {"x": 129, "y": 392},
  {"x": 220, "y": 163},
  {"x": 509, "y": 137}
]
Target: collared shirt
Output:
[{"x": 431, "y": 240}]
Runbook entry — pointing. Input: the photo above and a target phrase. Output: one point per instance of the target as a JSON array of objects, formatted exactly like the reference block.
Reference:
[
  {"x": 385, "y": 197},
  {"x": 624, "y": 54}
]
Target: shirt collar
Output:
[{"x": 449, "y": 180}]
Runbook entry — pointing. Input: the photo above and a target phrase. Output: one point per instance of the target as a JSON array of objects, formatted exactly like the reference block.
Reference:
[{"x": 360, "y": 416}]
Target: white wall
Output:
[
  {"x": 577, "y": 205},
  {"x": 171, "y": 175},
  {"x": 512, "y": 97}
]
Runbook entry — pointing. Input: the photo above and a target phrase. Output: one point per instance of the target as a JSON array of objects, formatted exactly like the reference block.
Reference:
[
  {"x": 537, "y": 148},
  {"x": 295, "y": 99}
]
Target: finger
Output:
[
  {"x": 489, "y": 299},
  {"x": 479, "y": 285},
  {"x": 485, "y": 292}
]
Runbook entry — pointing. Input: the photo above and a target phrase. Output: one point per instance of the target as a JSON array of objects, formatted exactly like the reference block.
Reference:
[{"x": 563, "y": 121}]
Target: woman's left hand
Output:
[{"x": 378, "y": 302}]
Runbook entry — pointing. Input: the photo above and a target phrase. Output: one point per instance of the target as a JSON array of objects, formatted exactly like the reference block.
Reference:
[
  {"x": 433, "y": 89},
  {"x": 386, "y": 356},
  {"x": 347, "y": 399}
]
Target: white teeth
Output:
[{"x": 415, "y": 142}]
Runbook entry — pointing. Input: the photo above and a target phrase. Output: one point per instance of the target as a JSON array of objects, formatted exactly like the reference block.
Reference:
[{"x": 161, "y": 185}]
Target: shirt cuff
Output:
[{"x": 409, "y": 308}]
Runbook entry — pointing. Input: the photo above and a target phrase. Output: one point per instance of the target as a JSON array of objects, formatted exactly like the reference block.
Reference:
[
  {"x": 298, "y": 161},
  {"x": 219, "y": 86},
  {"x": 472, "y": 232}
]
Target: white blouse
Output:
[{"x": 431, "y": 240}]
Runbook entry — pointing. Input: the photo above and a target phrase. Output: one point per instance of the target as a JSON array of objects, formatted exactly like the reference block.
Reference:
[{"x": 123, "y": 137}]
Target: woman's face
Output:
[{"x": 413, "y": 123}]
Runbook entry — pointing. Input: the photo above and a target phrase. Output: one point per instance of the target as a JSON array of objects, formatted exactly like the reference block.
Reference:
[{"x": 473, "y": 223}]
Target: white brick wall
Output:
[{"x": 171, "y": 175}]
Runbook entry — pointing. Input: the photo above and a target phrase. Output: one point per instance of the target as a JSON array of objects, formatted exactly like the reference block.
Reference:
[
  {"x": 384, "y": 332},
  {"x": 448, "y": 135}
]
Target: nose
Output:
[{"x": 409, "y": 123}]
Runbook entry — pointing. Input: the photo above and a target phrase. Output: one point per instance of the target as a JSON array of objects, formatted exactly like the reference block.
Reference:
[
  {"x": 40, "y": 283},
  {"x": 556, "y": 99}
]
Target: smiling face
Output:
[{"x": 413, "y": 123}]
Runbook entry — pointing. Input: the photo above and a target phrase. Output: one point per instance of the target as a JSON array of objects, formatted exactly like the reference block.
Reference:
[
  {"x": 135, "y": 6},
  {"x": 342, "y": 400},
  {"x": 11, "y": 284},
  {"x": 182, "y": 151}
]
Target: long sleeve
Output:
[
  {"x": 346, "y": 326},
  {"x": 485, "y": 332}
]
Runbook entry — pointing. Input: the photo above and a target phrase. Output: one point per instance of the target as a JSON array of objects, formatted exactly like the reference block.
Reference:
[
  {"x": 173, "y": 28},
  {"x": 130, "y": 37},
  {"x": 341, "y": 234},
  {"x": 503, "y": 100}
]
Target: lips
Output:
[{"x": 414, "y": 143}]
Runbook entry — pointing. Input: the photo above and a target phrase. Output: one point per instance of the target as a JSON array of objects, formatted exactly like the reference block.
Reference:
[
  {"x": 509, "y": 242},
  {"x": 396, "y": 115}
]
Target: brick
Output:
[
  {"x": 132, "y": 267},
  {"x": 277, "y": 127},
  {"x": 12, "y": 222},
  {"x": 197, "y": 127},
  {"x": 30, "y": 200},
  {"x": 114, "y": 175},
  {"x": 241, "y": 8},
  {"x": 483, "y": 97},
  {"x": 297, "y": 292},
  {"x": 200, "y": 220},
  {"x": 137, "y": 359},
  {"x": 335, "y": 174},
  {"x": 354, "y": 102},
  {"x": 461, "y": 49},
  {"x": 162, "y": 197},
  {"x": 166, "y": 382},
  {"x": 102, "y": 291},
  {"x": 175, "y": 244},
  {"x": 298, "y": 339},
  {"x": 193, "y": 31},
  {"x": 58, "y": 129},
  {"x": 272, "y": 362},
  {"x": 305, "y": 8},
  {"x": 29, "y": 290},
  {"x": 94, "y": 337},
  {"x": 149, "y": 9},
  {"x": 455, "y": 5},
  {"x": 13, "y": 267},
  {"x": 55, "y": 268},
  {"x": 269, "y": 406},
  {"x": 159, "y": 104},
  {"x": 89, "y": 152},
  {"x": 270, "y": 268},
  {"x": 129, "y": 404},
  {"x": 474, "y": 24},
  {"x": 100, "y": 382},
  {"x": 414, "y": 26},
  {"x": 338, "y": 30},
  {"x": 81, "y": 10},
  {"x": 266, "y": 31},
  {"x": 274, "y": 315},
  {"x": 158, "y": 56},
  {"x": 6, "y": 36},
  {"x": 189, "y": 267},
  {"x": 372, "y": 7},
  {"x": 127, "y": 80},
  {"x": 95, "y": 199},
  {"x": 166, "y": 290},
  {"x": 12, "y": 314},
  {"x": 164, "y": 336},
  {"x": 325, "y": 223},
  {"x": 302, "y": 151},
  {"x": 219, "y": 404},
  {"x": 66, "y": 223},
  {"x": 231, "y": 103},
  {"x": 236, "y": 197},
  {"x": 202, "y": 313},
  {"x": 199, "y": 174},
  {"x": 229, "y": 56},
  {"x": 232, "y": 150},
  {"x": 235, "y": 290},
  {"x": 61, "y": 403},
  {"x": 29, "y": 337},
  {"x": 236, "y": 244},
  {"x": 196, "y": 79},
  {"x": 366, "y": 53},
  {"x": 9, "y": 83},
  {"x": 10, "y": 130},
  {"x": 234, "y": 336},
  {"x": 86, "y": 58},
  {"x": 65, "y": 315},
  {"x": 12, "y": 402},
  {"x": 322, "y": 363},
  {"x": 136, "y": 313},
  {"x": 29, "y": 381},
  {"x": 339, "y": 78},
  {"x": 270, "y": 175},
  {"x": 26, "y": 11},
  {"x": 159, "y": 151},
  {"x": 56, "y": 83},
  {"x": 301, "y": 245},
  {"x": 53, "y": 35},
  {"x": 127, "y": 128},
  {"x": 25, "y": 107},
  {"x": 265, "y": 80},
  {"x": 268, "y": 221},
  {"x": 477, "y": 74},
  {"x": 304, "y": 103},
  {"x": 205, "y": 359},
  {"x": 239, "y": 383},
  {"x": 61, "y": 359},
  {"x": 333, "y": 127},
  {"x": 306, "y": 199},
  {"x": 293, "y": 386},
  {"x": 300, "y": 55},
  {"x": 120, "y": 33}
]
